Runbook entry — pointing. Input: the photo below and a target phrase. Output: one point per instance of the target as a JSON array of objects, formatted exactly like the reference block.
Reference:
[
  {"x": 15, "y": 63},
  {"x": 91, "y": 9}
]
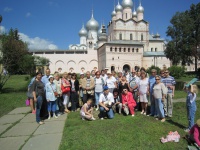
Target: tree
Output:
[
  {"x": 185, "y": 36},
  {"x": 13, "y": 50}
]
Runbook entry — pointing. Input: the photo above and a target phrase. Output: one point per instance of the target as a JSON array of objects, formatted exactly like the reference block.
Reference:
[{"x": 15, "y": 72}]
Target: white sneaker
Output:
[
  {"x": 55, "y": 116},
  {"x": 93, "y": 118},
  {"x": 49, "y": 117},
  {"x": 101, "y": 118},
  {"x": 97, "y": 109},
  {"x": 133, "y": 115},
  {"x": 83, "y": 118}
]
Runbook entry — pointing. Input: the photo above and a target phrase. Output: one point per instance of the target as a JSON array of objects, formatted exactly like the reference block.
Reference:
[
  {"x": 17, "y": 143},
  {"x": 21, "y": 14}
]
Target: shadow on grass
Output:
[
  {"x": 10, "y": 90},
  {"x": 176, "y": 124}
]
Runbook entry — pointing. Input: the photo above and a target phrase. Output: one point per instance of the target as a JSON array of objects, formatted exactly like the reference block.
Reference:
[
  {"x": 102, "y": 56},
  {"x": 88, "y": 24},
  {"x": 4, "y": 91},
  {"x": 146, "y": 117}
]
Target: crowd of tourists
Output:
[{"x": 110, "y": 93}]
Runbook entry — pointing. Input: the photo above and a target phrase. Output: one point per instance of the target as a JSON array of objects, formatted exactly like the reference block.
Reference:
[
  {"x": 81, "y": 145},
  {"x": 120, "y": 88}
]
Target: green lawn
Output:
[
  {"x": 14, "y": 94},
  {"x": 124, "y": 132}
]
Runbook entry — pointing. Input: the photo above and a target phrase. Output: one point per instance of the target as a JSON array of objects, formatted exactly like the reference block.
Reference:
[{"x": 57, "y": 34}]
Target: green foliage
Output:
[
  {"x": 13, "y": 50},
  {"x": 153, "y": 67},
  {"x": 27, "y": 64},
  {"x": 184, "y": 39},
  {"x": 177, "y": 71}
]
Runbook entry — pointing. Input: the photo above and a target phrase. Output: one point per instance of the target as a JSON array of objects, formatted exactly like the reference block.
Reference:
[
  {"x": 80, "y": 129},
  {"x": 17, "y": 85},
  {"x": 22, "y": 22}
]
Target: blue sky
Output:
[{"x": 54, "y": 24}]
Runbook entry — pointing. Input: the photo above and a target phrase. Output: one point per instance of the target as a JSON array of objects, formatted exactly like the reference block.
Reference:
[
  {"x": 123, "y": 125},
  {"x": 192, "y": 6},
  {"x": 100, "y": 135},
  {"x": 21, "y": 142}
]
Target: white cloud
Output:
[
  {"x": 28, "y": 14},
  {"x": 7, "y": 9},
  {"x": 37, "y": 43},
  {"x": 2, "y": 29}
]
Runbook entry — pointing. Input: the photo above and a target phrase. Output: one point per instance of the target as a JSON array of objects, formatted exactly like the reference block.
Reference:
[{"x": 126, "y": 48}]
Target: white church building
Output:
[{"x": 124, "y": 44}]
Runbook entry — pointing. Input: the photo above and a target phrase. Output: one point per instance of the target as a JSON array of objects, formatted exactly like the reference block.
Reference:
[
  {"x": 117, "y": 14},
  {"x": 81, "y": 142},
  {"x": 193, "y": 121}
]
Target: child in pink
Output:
[
  {"x": 128, "y": 101},
  {"x": 195, "y": 133},
  {"x": 87, "y": 111}
]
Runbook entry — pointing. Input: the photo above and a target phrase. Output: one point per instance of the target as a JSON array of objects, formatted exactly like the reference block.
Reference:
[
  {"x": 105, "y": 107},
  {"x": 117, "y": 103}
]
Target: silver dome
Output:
[
  {"x": 83, "y": 31},
  {"x": 113, "y": 13},
  {"x": 134, "y": 13},
  {"x": 118, "y": 7},
  {"x": 127, "y": 3},
  {"x": 92, "y": 24},
  {"x": 140, "y": 9}
]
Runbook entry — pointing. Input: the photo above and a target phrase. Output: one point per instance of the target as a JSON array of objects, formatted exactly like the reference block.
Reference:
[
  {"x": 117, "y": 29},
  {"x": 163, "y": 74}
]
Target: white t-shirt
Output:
[
  {"x": 143, "y": 84},
  {"x": 111, "y": 82},
  {"x": 104, "y": 98},
  {"x": 99, "y": 85}
]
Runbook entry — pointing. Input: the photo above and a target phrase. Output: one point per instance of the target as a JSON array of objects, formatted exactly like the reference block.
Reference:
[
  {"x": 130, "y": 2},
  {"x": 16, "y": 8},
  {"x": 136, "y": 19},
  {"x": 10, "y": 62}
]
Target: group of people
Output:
[{"x": 107, "y": 92}]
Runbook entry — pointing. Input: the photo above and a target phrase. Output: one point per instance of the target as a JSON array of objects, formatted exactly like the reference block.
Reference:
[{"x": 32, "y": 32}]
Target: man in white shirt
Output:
[{"x": 106, "y": 100}]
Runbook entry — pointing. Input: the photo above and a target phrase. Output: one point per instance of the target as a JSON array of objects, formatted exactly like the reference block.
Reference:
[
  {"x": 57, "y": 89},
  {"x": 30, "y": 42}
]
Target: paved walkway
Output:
[{"x": 18, "y": 130}]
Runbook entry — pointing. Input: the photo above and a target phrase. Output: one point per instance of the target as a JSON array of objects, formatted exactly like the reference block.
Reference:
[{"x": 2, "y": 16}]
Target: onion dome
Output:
[
  {"x": 83, "y": 31},
  {"x": 113, "y": 13},
  {"x": 134, "y": 13},
  {"x": 102, "y": 36},
  {"x": 127, "y": 3},
  {"x": 140, "y": 9},
  {"x": 92, "y": 24},
  {"x": 118, "y": 7}
]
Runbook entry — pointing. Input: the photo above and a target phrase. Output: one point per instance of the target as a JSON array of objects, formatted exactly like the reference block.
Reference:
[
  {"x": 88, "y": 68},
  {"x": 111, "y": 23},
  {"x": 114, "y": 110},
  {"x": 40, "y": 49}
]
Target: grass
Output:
[
  {"x": 124, "y": 132},
  {"x": 14, "y": 94}
]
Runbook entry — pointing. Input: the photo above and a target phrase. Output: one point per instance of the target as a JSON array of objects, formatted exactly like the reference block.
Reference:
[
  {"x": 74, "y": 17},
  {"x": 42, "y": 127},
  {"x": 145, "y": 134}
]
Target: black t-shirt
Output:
[
  {"x": 121, "y": 86},
  {"x": 38, "y": 87}
]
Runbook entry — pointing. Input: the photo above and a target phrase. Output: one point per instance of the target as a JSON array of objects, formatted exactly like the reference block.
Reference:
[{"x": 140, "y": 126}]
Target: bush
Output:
[
  {"x": 153, "y": 67},
  {"x": 177, "y": 71}
]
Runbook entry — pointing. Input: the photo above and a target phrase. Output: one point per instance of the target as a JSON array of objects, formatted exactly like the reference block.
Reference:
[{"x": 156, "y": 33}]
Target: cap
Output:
[
  {"x": 81, "y": 73},
  {"x": 108, "y": 72},
  {"x": 105, "y": 88},
  {"x": 106, "y": 68}
]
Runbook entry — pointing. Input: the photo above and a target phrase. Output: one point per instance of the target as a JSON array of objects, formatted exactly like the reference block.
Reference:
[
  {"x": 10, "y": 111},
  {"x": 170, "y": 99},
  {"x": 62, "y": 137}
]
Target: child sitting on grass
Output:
[
  {"x": 191, "y": 105},
  {"x": 194, "y": 133},
  {"x": 87, "y": 111}
]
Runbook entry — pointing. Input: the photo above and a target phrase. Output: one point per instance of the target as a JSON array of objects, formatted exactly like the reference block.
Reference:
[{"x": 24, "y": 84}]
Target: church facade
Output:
[{"x": 125, "y": 43}]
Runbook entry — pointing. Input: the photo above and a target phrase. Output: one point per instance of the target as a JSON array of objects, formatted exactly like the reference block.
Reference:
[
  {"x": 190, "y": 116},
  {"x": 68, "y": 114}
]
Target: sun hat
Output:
[
  {"x": 81, "y": 73},
  {"x": 198, "y": 122},
  {"x": 108, "y": 72},
  {"x": 50, "y": 76},
  {"x": 106, "y": 68}
]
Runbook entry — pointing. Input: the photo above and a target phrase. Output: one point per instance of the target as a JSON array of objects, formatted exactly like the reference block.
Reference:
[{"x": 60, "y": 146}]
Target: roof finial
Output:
[
  {"x": 134, "y": 5},
  {"x": 118, "y": 2},
  {"x": 140, "y": 2}
]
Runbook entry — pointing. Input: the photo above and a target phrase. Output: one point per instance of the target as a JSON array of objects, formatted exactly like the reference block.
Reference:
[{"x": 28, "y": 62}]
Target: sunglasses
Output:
[
  {"x": 124, "y": 90},
  {"x": 157, "y": 79}
]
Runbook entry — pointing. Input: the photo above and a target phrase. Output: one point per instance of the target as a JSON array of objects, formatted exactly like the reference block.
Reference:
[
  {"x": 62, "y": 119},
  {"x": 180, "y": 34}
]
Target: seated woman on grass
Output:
[
  {"x": 87, "y": 111},
  {"x": 195, "y": 133}
]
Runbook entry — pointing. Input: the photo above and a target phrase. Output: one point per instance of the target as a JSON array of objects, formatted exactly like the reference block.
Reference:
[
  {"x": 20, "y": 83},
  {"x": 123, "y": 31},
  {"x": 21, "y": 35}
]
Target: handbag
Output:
[
  {"x": 65, "y": 89},
  {"x": 27, "y": 102}
]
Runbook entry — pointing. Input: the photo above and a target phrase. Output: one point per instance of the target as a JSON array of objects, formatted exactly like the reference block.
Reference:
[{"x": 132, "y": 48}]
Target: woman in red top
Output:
[{"x": 128, "y": 102}]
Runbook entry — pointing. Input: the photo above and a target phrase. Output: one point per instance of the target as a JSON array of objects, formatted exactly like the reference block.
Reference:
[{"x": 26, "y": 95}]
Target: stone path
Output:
[{"x": 18, "y": 130}]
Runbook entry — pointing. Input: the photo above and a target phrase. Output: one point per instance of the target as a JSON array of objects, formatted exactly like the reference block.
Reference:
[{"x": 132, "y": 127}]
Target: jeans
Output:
[
  {"x": 168, "y": 105},
  {"x": 110, "y": 112},
  {"x": 51, "y": 106},
  {"x": 154, "y": 109},
  {"x": 191, "y": 109},
  {"x": 159, "y": 107},
  {"x": 38, "y": 108},
  {"x": 97, "y": 95}
]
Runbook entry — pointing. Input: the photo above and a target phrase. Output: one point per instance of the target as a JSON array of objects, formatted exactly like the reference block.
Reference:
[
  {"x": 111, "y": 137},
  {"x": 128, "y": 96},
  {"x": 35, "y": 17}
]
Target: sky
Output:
[{"x": 54, "y": 24}]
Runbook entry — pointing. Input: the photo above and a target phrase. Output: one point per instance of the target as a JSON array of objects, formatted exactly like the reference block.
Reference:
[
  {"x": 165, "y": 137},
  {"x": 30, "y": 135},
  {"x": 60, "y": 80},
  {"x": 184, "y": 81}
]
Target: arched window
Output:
[
  {"x": 137, "y": 50},
  {"x": 133, "y": 50},
  {"x": 124, "y": 49},
  {"x": 111, "y": 49},
  {"x": 155, "y": 49},
  {"x": 131, "y": 36},
  {"x": 115, "y": 49},
  {"x": 151, "y": 49},
  {"x": 128, "y": 49},
  {"x": 120, "y": 49}
]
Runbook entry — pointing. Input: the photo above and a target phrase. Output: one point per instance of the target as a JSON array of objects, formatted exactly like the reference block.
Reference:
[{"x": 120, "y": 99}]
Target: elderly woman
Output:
[
  {"x": 159, "y": 93},
  {"x": 117, "y": 101},
  {"x": 74, "y": 91},
  {"x": 128, "y": 102},
  {"x": 143, "y": 88},
  {"x": 38, "y": 95},
  {"x": 99, "y": 83},
  {"x": 111, "y": 82},
  {"x": 65, "y": 86},
  {"x": 57, "y": 81},
  {"x": 51, "y": 96},
  {"x": 123, "y": 84}
]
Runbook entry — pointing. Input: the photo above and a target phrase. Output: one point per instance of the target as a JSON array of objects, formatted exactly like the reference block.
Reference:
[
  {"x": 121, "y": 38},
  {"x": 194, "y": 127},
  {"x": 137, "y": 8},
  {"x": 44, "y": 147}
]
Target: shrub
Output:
[{"x": 177, "y": 71}]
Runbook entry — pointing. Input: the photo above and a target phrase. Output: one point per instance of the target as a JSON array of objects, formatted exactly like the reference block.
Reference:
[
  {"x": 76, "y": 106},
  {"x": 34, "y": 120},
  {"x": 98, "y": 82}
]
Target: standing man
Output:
[
  {"x": 106, "y": 100},
  {"x": 133, "y": 87},
  {"x": 152, "y": 81},
  {"x": 45, "y": 80},
  {"x": 170, "y": 84},
  {"x": 103, "y": 75},
  {"x": 88, "y": 87},
  {"x": 80, "y": 86}
]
